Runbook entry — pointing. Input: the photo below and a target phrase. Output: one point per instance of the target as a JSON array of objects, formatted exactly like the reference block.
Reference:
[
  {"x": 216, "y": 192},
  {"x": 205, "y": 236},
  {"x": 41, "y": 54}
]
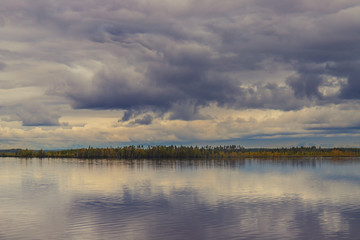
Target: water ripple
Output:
[{"x": 249, "y": 199}]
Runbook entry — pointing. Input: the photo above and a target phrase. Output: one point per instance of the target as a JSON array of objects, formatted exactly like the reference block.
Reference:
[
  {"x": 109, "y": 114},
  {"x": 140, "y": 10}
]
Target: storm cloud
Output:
[
  {"x": 192, "y": 53},
  {"x": 171, "y": 60}
]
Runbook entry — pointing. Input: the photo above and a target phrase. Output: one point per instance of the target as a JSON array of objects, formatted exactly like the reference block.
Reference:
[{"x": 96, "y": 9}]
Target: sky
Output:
[{"x": 256, "y": 73}]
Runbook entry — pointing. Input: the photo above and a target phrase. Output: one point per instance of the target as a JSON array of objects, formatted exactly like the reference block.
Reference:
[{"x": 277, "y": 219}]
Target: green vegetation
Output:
[{"x": 183, "y": 152}]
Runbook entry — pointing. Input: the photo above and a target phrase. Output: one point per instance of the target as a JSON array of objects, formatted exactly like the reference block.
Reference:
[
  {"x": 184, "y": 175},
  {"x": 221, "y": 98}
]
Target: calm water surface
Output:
[{"x": 145, "y": 199}]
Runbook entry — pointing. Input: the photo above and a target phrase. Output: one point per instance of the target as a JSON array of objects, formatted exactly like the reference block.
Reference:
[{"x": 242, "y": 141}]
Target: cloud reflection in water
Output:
[{"x": 285, "y": 199}]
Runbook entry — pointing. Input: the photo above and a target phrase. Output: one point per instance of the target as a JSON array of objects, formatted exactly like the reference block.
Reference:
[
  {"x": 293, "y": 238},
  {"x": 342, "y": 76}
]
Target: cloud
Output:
[
  {"x": 173, "y": 60},
  {"x": 33, "y": 114},
  {"x": 190, "y": 60},
  {"x": 2, "y": 66},
  {"x": 352, "y": 89},
  {"x": 305, "y": 85},
  {"x": 146, "y": 120}
]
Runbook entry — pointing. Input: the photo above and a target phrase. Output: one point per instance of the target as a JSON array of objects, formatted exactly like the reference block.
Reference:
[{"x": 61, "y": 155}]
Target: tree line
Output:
[{"x": 184, "y": 152}]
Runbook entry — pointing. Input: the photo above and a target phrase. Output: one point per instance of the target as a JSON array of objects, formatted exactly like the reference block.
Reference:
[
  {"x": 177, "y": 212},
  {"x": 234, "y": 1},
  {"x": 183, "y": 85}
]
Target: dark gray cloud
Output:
[
  {"x": 352, "y": 89},
  {"x": 305, "y": 85},
  {"x": 175, "y": 58},
  {"x": 33, "y": 114},
  {"x": 146, "y": 120},
  {"x": 2, "y": 66},
  {"x": 332, "y": 130}
]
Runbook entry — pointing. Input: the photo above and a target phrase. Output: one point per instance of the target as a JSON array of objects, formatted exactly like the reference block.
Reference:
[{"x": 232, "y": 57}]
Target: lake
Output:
[{"x": 311, "y": 198}]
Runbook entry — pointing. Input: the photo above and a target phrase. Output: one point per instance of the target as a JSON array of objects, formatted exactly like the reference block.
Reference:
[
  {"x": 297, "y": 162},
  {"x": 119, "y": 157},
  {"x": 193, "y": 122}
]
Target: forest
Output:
[{"x": 183, "y": 152}]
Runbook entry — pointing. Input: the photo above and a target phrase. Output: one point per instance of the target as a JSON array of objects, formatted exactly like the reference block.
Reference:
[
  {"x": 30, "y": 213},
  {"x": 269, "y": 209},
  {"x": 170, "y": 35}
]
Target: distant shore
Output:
[{"x": 182, "y": 152}]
